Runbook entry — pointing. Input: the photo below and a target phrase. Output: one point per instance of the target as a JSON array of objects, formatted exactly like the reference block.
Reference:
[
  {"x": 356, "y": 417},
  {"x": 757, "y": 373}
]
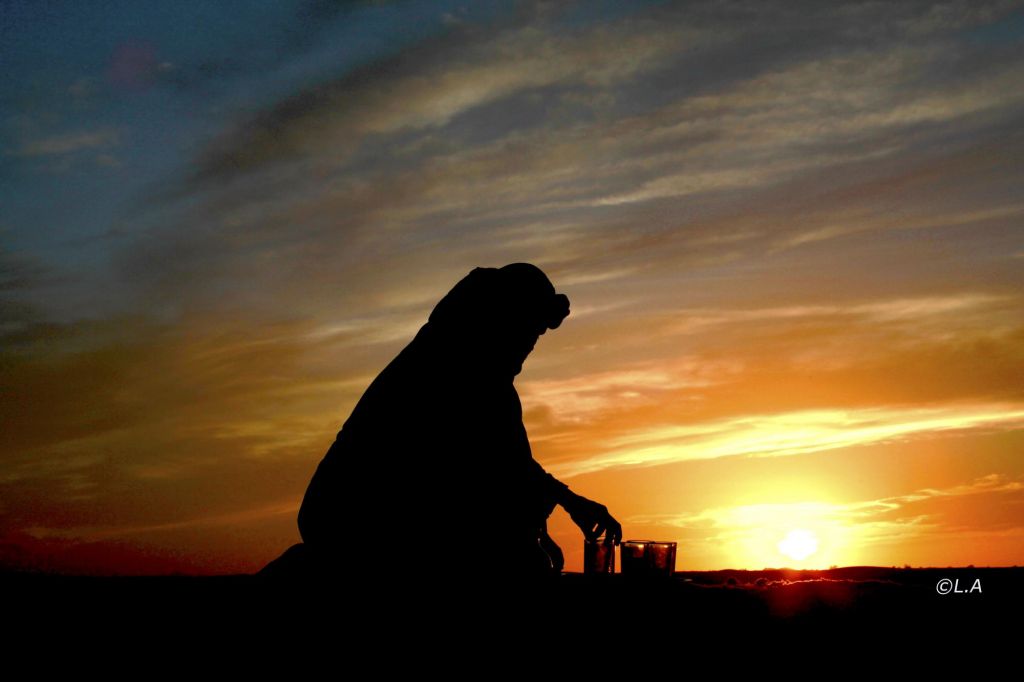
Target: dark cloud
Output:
[{"x": 703, "y": 137}]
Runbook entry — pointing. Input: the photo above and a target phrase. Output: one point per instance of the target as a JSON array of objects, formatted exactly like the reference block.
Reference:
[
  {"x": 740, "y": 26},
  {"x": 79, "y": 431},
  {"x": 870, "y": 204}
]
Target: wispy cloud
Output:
[
  {"x": 67, "y": 143},
  {"x": 791, "y": 434},
  {"x": 918, "y": 310},
  {"x": 434, "y": 82},
  {"x": 532, "y": 142},
  {"x": 580, "y": 397}
]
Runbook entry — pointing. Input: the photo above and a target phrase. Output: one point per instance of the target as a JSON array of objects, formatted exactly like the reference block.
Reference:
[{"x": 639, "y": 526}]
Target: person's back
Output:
[{"x": 429, "y": 475}]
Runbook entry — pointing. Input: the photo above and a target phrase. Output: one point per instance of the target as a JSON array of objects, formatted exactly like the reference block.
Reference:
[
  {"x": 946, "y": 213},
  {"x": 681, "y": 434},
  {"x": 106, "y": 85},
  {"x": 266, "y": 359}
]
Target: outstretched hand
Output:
[{"x": 594, "y": 519}]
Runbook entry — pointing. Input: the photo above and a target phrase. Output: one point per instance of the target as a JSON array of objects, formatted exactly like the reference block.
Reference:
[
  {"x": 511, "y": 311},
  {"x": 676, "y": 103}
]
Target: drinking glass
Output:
[
  {"x": 633, "y": 555},
  {"x": 598, "y": 556}
]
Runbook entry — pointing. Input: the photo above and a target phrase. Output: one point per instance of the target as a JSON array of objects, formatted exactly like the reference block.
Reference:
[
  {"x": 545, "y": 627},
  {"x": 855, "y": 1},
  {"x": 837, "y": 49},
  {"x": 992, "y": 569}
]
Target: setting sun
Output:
[{"x": 799, "y": 544}]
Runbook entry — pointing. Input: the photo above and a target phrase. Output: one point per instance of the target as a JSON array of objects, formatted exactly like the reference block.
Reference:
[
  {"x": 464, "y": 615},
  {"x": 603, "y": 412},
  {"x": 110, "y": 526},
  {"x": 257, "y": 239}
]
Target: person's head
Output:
[{"x": 499, "y": 313}]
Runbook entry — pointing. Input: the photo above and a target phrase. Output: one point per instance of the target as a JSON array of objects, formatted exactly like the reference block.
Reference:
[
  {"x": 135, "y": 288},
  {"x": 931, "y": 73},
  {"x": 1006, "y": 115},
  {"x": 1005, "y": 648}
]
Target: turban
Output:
[{"x": 519, "y": 292}]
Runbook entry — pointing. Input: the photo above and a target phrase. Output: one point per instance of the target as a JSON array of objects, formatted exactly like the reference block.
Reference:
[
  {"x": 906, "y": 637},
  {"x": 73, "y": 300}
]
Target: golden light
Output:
[
  {"x": 805, "y": 535},
  {"x": 799, "y": 544}
]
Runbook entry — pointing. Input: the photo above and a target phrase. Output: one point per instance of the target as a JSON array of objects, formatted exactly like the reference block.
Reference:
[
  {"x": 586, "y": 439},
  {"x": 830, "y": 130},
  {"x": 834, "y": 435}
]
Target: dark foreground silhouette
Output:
[
  {"x": 861, "y": 610},
  {"x": 433, "y": 469}
]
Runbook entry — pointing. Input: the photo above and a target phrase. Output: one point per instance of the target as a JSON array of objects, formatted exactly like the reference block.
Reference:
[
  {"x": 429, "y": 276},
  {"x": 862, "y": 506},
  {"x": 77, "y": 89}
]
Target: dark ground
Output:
[{"x": 729, "y": 606}]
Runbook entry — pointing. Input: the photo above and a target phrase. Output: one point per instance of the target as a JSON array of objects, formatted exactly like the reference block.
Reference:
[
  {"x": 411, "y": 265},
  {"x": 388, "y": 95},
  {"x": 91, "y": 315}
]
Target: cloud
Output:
[
  {"x": 915, "y": 311},
  {"x": 855, "y": 221},
  {"x": 67, "y": 143},
  {"x": 581, "y": 397},
  {"x": 639, "y": 389},
  {"x": 431, "y": 83},
  {"x": 530, "y": 142},
  {"x": 775, "y": 435}
]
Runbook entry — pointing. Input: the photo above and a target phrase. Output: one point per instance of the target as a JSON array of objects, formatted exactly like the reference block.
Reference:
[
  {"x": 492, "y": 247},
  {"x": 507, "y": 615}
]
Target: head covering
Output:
[{"x": 487, "y": 297}]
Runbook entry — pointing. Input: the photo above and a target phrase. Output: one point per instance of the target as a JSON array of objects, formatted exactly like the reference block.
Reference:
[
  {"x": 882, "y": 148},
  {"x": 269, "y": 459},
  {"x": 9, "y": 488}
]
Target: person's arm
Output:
[
  {"x": 592, "y": 517},
  {"x": 552, "y": 488}
]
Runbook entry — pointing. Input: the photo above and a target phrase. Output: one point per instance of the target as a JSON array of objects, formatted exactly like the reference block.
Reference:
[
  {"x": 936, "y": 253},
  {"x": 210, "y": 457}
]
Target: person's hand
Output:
[{"x": 593, "y": 519}]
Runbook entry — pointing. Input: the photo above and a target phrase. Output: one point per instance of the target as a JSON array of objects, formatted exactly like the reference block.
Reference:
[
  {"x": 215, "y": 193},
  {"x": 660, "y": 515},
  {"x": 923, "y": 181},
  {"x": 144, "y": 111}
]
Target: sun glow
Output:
[
  {"x": 797, "y": 534},
  {"x": 799, "y": 544}
]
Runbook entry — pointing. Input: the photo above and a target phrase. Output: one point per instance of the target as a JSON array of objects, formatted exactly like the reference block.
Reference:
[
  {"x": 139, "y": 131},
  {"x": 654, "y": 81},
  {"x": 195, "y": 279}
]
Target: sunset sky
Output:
[{"x": 791, "y": 233}]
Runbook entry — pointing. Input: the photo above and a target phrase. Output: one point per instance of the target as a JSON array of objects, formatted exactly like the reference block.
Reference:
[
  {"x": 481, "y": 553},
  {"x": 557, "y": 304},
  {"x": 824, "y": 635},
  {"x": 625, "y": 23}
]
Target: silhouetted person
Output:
[{"x": 432, "y": 473}]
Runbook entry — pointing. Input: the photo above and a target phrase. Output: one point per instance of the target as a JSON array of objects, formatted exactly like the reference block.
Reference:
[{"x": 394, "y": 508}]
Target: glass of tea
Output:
[
  {"x": 648, "y": 558},
  {"x": 661, "y": 558},
  {"x": 598, "y": 556},
  {"x": 634, "y": 556}
]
